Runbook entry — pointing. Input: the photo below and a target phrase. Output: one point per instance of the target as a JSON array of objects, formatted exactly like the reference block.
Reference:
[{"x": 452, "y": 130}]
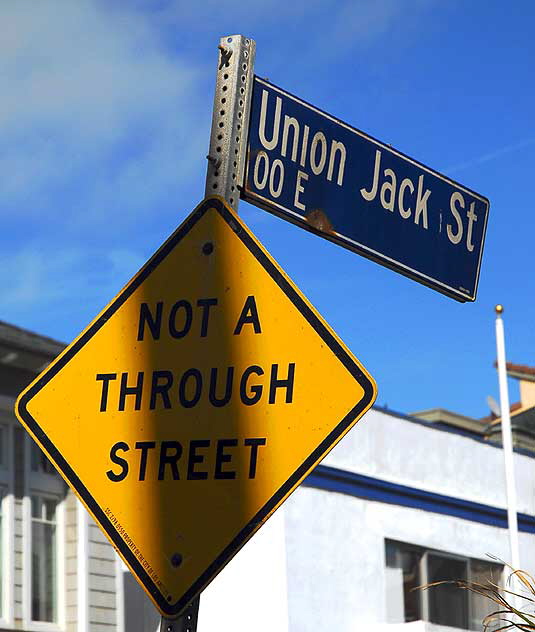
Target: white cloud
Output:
[
  {"x": 44, "y": 279},
  {"x": 80, "y": 82}
]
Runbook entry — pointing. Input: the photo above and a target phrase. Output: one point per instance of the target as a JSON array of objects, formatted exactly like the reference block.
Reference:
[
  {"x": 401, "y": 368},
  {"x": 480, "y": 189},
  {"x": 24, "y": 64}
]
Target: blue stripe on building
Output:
[{"x": 369, "y": 488}]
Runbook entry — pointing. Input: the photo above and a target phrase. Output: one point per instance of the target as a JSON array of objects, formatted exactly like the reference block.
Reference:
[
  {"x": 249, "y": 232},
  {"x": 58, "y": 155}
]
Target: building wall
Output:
[
  {"x": 402, "y": 450},
  {"x": 336, "y": 541},
  {"x": 319, "y": 562},
  {"x": 19, "y": 482},
  {"x": 102, "y": 581}
]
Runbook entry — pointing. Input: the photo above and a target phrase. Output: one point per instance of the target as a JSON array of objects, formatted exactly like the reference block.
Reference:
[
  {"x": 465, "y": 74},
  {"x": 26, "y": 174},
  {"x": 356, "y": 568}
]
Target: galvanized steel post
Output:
[
  {"x": 225, "y": 174},
  {"x": 230, "y": 119}
]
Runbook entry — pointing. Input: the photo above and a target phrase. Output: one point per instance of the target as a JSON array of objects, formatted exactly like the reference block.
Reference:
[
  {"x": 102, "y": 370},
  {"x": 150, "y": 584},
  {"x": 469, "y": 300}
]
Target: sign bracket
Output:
[{"x": 225, "y": 175}]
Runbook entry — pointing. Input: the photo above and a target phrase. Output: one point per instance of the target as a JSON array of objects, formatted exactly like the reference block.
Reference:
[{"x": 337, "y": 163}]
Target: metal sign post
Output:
[{"x": 225, "y": 174}]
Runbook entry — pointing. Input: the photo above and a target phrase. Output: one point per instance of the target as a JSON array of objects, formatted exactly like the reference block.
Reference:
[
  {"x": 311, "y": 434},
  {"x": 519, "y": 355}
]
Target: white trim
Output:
[
  {"x": 8, "y": 534},
  {"x": 82, "y": 568},
  {"x": 28, "y": 624},
  {"x": 119, "y": 595},
  {"x": 26, "y": 543}
]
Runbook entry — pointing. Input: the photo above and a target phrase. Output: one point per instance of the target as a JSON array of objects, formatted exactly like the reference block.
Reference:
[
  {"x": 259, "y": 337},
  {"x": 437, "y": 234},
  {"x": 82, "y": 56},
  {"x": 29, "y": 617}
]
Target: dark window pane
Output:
[
  {"x": 50, "y": 509},
  {"x": 1, "y": 565},
  {"x": 36, "y": 507},
  {"x": 481, "y": 573},
  {"x": 40, "y": 462},
  {"x": 448, "y": 604},
  {"x": 407, "y": 560},
  {"x": 43, "y": 572},
  {"x": 3, "y": 446}
]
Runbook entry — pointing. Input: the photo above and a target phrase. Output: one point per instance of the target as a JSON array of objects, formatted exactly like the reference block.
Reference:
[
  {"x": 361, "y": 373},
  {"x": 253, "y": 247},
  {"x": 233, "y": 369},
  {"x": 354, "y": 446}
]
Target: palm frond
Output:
[{"x": 508, "y": 616}]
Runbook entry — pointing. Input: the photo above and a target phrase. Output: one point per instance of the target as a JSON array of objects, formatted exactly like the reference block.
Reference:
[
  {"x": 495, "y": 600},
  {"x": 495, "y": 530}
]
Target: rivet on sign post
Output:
[{"x": 224, "y": 177}]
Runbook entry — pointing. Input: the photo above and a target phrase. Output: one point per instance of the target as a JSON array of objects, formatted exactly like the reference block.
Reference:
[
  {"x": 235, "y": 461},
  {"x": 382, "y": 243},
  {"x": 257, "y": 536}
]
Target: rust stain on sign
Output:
[{"x": 319, "y": 220}]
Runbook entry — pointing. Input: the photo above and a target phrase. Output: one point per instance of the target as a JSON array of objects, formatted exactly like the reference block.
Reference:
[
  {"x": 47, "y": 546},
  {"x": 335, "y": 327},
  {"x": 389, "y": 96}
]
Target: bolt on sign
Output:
[{"x": 195, "y": 403}]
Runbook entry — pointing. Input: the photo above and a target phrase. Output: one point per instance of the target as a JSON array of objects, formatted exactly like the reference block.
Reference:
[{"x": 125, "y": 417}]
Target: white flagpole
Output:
[{"x": 507, "y": 441}]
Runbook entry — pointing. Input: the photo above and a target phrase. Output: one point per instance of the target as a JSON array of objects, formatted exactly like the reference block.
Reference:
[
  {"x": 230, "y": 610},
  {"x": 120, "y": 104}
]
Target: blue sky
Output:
[{"x": 105, "y": 118}]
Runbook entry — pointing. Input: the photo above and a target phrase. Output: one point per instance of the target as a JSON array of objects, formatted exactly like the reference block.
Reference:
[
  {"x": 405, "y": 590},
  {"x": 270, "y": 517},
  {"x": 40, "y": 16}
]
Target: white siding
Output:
[
  {"x": 102, "y": 604},
  {"x": 71, "y": 607}
]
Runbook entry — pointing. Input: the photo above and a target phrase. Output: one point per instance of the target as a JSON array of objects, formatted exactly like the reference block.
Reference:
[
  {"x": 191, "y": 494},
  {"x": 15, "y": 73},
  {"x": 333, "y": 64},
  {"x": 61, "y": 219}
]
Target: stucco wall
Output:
[{"x": 335, "y": 542}]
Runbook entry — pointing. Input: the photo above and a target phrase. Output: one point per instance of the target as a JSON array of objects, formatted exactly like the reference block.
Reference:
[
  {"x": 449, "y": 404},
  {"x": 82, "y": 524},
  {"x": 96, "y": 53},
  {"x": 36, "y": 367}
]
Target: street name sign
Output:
[
  {"x": 195, "y": 403},
  {"x": 320, "y": 173}
]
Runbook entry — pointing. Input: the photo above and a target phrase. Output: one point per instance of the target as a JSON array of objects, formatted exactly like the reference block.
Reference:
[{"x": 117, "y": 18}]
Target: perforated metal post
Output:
[
  {"x": 186, "y": 622},
  {"x": 224, "y": 175},
  {"x": 232, "y": 101}
]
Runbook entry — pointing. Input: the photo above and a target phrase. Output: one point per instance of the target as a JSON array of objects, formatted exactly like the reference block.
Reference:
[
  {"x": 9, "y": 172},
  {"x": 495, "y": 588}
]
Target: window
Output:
[
  {"x": 3, "y": 446},
  {"x": 411, "y": 566},
  {"x": 44, "y": 541},
  {"x": 44, "y": 571},
  {"x": 2, "y": 553},
  {"x": 40, "y": 462}
]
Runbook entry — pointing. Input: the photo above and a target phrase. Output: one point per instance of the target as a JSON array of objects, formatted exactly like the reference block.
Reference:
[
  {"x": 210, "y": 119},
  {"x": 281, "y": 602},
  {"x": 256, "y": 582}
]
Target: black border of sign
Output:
[
  {"x": 285, "y": 213},
  {"x": 300, "y": 303}
]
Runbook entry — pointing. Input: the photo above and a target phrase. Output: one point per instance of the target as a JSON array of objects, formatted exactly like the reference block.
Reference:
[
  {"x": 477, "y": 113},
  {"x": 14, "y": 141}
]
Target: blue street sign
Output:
[{"x": 328, "y": 177}]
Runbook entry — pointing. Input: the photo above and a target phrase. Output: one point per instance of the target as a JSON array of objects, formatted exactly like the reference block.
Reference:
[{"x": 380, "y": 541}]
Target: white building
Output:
[{"x": 401, "y": 501}]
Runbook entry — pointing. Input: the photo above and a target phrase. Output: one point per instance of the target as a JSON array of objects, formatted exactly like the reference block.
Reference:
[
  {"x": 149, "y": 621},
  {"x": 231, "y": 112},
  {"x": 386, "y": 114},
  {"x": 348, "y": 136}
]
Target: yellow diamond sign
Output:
[{"x": 195, "y": 403}]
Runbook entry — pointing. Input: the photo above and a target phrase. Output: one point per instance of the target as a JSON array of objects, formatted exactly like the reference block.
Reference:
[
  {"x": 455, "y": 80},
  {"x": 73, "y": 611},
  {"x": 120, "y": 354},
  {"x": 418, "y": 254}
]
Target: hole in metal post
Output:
[
  {"x": 229, "y": 39},
  {"x": 208, "y": 248}
]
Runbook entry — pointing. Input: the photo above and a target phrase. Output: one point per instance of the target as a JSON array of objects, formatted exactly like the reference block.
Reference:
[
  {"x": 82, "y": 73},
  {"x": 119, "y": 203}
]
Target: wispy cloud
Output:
[{"x": 491, "y": 155}]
